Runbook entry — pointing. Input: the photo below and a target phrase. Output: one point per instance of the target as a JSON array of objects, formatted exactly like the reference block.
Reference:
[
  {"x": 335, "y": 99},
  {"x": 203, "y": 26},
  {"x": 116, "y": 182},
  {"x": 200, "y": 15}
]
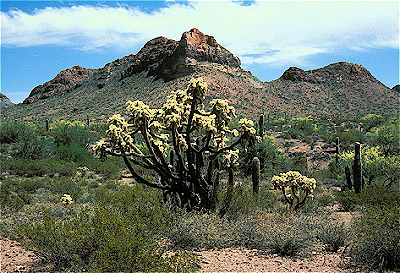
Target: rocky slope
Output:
[
  {"x": 163, "y": 65},
  {"x": 5, "y": 102}
]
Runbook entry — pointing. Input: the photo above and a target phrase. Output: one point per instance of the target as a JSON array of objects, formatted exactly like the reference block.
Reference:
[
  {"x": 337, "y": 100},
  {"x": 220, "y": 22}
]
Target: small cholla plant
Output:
[
  {"x": 66, "y": 199},
  {"x": 296, "y": 188},
  {"x": 181, "y": 142},
  {"x": 81, "y": 171}
]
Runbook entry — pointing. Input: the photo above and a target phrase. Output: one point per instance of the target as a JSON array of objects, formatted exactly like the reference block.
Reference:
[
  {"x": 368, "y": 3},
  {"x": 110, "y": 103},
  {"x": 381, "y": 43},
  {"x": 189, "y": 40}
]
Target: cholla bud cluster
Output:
[
  {"x": 296, "y": 188},
  {"x": 81, "y": 171},
  {"x": 66, "y": 199},
  {"x": 294, "y": 179},
  {"x": 146, "y": 136}
]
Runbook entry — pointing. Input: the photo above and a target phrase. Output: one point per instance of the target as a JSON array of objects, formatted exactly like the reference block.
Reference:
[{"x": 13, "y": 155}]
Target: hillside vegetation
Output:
[{"x": 81, "y": 213}]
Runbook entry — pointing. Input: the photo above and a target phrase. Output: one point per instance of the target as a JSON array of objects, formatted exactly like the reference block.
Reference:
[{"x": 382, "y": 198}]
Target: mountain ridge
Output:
[{"x": 164, "y": 64}]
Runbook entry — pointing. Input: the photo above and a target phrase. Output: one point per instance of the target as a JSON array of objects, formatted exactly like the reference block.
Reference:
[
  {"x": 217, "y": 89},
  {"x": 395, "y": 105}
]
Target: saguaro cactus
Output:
[
  {"x": 255, "y": 175},
  {"x": 337, "y": 150},
  {"x": 348, "y": 177},
  {"x": 229, "y": 194},
  {"x": 357, "y": 168},
  {"x": 261, "y": 126}
]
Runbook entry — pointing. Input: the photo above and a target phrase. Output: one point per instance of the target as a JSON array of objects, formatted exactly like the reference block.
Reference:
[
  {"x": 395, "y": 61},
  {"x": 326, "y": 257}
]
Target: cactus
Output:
[
  {"x": 216, "y": 182},
  {"x": 229, "y": 194},
  {"x": 348, "y": 177},
  {"x": 255, "y": 175},
  {"x": 261, "y": 126},
  {"x": 357, "y": 168},
  {"x": 47, "y": 125},
  {"x": 337, "y": 151}
]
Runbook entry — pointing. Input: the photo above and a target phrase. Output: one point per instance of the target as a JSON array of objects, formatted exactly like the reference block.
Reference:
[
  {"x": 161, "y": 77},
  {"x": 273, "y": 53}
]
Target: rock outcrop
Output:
[
  {"x": 64, "y": 82},
  {"x": 341, "y": 71},
  {"x": 5, "y": 102},
  {"x": 168, "y": 59}
]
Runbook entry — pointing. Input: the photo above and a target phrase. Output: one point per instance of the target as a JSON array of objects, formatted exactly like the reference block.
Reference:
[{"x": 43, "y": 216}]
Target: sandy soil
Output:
[
  {"x": 246, "y": 260},
  {"x": 15, "y": 258}
]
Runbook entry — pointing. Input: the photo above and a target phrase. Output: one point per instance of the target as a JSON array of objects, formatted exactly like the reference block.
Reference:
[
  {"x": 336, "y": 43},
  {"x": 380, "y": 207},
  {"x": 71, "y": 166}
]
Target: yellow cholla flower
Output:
[{"x": 66, "y": 199}]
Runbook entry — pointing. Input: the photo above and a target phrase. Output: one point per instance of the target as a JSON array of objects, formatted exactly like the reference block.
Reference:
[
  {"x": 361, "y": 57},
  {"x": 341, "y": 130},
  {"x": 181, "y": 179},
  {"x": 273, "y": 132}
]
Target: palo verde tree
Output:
[{"x": 182, "y": 143}]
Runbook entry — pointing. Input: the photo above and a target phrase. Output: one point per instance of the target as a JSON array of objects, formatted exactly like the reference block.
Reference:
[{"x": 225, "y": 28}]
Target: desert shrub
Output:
[
  {"x": 377, "y": 238},
  {"x": 196, "y": 231},
  {"x": 32, "y": 147},
  {"x": 324, "y": 199},
  {"x": 300, "y": 127},
  {"x": 386, "y": 136},
  {"x": 371, "y": 120},
  {"x": 283, "y": 233},
  {"x": 272, "y": 159},
  {"x": 117, "y": 230},
  {"x": 348, "y": 200},
  {"x": 379, "y": 195},
  {"x": 66, "y": 132},
  {"x": 110, "y": 166},
  {"x": 333, "y": 235},
  {"x": 73, "y": 153},
  {"x": 245, "y": 202},
  {"x": 71, "y": 140},
  {"x": 12, "y": 131},
  {"x": 27, "y": 167},
  {"x": 103, "y": 240},
  {"x": 15, "y": 193}
]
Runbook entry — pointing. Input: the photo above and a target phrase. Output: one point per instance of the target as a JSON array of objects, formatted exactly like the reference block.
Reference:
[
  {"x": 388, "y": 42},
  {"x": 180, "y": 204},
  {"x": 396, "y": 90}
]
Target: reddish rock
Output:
[
  {"x": 64, "y": 82},
  {"x": 169, "y": 59}
]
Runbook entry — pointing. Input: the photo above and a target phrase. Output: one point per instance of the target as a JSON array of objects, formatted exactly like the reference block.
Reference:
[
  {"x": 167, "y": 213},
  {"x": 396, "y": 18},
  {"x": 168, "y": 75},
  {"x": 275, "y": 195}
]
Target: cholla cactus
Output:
[
  {"x": 66, "y": 199},
  {"x": 81, "y": 171},
  {"x": 196, "y": 139},
  {"x": 296, "y": 188}
]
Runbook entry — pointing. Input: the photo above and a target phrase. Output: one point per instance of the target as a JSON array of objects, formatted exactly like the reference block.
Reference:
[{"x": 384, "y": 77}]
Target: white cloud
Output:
[{"x": 275, "y": 31}]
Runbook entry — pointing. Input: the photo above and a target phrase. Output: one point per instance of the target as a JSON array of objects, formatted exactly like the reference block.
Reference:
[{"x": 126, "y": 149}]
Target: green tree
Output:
[{"x": 386, "y": 136}]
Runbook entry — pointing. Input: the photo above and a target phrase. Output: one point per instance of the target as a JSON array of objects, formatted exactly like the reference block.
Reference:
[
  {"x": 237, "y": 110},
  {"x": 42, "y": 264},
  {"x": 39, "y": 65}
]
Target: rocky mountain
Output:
[
  {"x": 5, "y": 102},
  {"x": 65, "y": 81},
  {"x": 163, "y": 65}
]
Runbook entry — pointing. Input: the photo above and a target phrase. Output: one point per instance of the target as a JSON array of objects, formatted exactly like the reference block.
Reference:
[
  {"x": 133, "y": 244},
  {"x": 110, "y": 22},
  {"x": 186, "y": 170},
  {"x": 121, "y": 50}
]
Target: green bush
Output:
[
  {"x": 272, "y": 159},
  {"x": 379, "y": 195},
  {"x": 71, "y": 140},
  {"x": 196, "y": 231},
  {"x": 102, "y": 240},
  {"x": 27, "y": 167},
  {"x": 73, "y": 153},
  {"x": 116, "y": 231},
  {"x": 377, "y": 238},
  {"x": 12, "y": 131},
  {"x": 348, "y": 200},
  {"x": 333, "y": 235}
]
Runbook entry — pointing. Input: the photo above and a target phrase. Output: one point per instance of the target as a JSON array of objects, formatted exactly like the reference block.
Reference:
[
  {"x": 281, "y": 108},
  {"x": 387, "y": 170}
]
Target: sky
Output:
[{"x": 40, "y": 38}]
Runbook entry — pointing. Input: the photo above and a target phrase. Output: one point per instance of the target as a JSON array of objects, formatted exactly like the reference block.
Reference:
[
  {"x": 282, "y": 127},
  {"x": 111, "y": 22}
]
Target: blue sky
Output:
[{"x": 39, "y": 38}]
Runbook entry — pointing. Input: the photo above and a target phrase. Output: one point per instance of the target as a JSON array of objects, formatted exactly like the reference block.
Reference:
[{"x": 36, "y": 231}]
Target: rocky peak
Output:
[
  {"x": 336, "y": 72},
  {"x": 169, "y": 59},
  {"x": 296, "y": 74},
  {"x": 64, "y": 82},
  {"x": 201, "y": 47}
]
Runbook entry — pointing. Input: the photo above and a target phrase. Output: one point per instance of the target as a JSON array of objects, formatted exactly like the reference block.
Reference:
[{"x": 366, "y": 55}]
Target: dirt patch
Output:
[
  {"x": 246, "y": 260},
  {"x": 16, "y": 258}
]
